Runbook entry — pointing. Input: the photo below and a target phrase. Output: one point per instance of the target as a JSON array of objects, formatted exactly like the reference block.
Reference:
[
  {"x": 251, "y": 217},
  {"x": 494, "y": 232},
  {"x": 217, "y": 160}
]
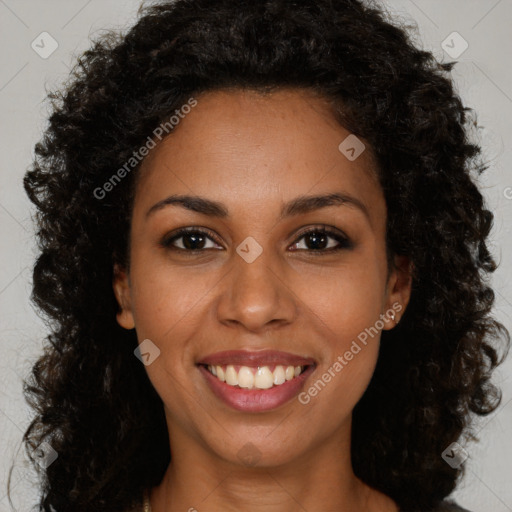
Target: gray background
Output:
[{"x": 483, "y": 79}]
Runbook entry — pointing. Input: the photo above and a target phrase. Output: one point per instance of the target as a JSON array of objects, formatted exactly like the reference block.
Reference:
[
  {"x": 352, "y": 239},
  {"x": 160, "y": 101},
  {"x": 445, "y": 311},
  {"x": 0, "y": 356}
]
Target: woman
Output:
[{"x": 264, "y": 258}]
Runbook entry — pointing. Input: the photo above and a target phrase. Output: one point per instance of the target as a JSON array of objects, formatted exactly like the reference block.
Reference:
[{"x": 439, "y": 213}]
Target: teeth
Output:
[
  {"x": 245, "y": 378},
  {"x": 231, "y": 375},
  {"x": 260, "y": 378},
  {"x": 263, "y": 378},
  {"x": 279, "y": 375}
]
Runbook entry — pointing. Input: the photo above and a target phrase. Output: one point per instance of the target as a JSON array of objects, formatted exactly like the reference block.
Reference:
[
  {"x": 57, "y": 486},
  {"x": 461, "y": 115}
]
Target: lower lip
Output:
[{"x": 256, "y": 400}]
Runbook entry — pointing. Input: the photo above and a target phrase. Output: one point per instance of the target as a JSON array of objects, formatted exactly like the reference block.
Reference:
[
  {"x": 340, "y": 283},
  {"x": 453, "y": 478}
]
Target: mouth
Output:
[
  {"x": 259, "y": 377},
  {"x": 255, "y": 381}
]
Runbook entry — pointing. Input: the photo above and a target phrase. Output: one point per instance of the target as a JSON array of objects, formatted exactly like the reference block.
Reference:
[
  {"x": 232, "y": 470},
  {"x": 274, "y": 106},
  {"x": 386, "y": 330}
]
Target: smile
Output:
[
  {"x": 260, "y": 377},
  {"x": 255, "y": 381}
]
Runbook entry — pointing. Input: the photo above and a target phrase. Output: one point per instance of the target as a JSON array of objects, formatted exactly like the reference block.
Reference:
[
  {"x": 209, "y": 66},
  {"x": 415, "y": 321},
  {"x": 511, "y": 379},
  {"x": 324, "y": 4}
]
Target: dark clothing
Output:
[{"x": 445, "y": 506}]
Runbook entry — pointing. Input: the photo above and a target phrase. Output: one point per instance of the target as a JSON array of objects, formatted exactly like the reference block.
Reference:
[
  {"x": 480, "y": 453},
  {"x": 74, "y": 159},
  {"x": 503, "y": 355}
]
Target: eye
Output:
[
  {"x": 190, "y": 240},
  {"x": 321, "y": 239}
]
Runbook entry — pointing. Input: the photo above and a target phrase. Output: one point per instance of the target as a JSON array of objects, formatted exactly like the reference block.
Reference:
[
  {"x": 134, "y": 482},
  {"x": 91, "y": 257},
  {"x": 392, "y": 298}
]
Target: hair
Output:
[{"x": 92, "y": 399}]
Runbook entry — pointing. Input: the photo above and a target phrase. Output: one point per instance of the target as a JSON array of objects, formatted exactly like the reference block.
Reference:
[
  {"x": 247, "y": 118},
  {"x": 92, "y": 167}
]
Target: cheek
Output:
[
  {"x": 346, "y": 307},
  {"x": 166, "y": 299},
  {"x": 346, "y": 301},
  {"x": 351, "y": 347},
  {"x": 169, "y": 308}
]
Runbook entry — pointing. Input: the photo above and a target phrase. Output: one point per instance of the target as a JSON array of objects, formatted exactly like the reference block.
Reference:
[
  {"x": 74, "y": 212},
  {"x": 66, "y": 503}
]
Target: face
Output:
[{"x": 265, "y": 277}]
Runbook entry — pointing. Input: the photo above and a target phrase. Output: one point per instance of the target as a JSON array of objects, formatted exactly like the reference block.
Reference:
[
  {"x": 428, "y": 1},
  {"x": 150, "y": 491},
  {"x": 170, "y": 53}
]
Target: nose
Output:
[{"x": 255, "y": 296}]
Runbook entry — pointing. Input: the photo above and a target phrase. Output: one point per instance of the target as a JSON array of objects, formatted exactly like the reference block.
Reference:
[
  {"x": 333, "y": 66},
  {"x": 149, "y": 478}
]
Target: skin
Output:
[{"x": 253, "y": 153}]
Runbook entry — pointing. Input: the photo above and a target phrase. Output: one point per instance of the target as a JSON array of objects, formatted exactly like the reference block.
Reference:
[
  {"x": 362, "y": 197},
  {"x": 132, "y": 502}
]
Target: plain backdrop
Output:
[{"x": 483, "y": 77}]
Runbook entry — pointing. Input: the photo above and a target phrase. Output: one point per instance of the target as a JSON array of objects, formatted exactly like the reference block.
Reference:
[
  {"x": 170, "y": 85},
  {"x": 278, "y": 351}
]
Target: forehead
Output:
[{"x": 246, "y": 148}]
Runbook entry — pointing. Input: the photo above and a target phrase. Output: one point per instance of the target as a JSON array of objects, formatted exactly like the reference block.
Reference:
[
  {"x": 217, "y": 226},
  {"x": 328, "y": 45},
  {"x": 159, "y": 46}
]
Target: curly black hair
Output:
[{"x": 93, "y": 401}]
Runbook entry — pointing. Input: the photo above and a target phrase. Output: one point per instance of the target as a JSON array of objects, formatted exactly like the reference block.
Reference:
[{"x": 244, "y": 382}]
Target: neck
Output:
[{"x": 318, "y": 479}]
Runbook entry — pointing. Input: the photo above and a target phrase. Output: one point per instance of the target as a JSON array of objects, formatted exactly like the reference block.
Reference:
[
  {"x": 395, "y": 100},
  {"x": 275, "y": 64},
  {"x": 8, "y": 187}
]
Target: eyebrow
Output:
[{"x": 297, "y": 206}]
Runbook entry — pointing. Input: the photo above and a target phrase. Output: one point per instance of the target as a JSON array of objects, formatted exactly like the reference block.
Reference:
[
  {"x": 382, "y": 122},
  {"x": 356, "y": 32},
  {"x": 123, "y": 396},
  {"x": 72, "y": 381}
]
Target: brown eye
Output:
[
  {"x": 316, "y": 240},
  {"x": 321, "y": 240},
  {"x": 190, "y": 239}
]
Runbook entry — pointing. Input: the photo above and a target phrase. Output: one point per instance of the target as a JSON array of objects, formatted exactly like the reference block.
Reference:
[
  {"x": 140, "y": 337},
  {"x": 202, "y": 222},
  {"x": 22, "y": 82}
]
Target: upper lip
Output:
[{"x": 259, "y": 358}]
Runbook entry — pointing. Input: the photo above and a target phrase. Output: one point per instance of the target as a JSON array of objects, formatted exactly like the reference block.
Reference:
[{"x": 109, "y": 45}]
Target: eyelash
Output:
[{"x": 343, "y": 241}]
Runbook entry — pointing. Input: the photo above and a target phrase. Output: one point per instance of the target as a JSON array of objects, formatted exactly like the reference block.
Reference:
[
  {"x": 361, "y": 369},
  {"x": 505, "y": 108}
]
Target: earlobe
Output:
[
  {"x": 121, "y": 286},
  {"x": 398, "y": 291}
]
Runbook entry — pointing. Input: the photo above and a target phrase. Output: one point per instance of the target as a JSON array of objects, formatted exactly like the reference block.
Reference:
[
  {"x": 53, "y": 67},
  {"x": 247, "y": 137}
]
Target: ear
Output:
[
  {"x": 398, "y": 291},
  {"x": 121, "y": 286}
]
